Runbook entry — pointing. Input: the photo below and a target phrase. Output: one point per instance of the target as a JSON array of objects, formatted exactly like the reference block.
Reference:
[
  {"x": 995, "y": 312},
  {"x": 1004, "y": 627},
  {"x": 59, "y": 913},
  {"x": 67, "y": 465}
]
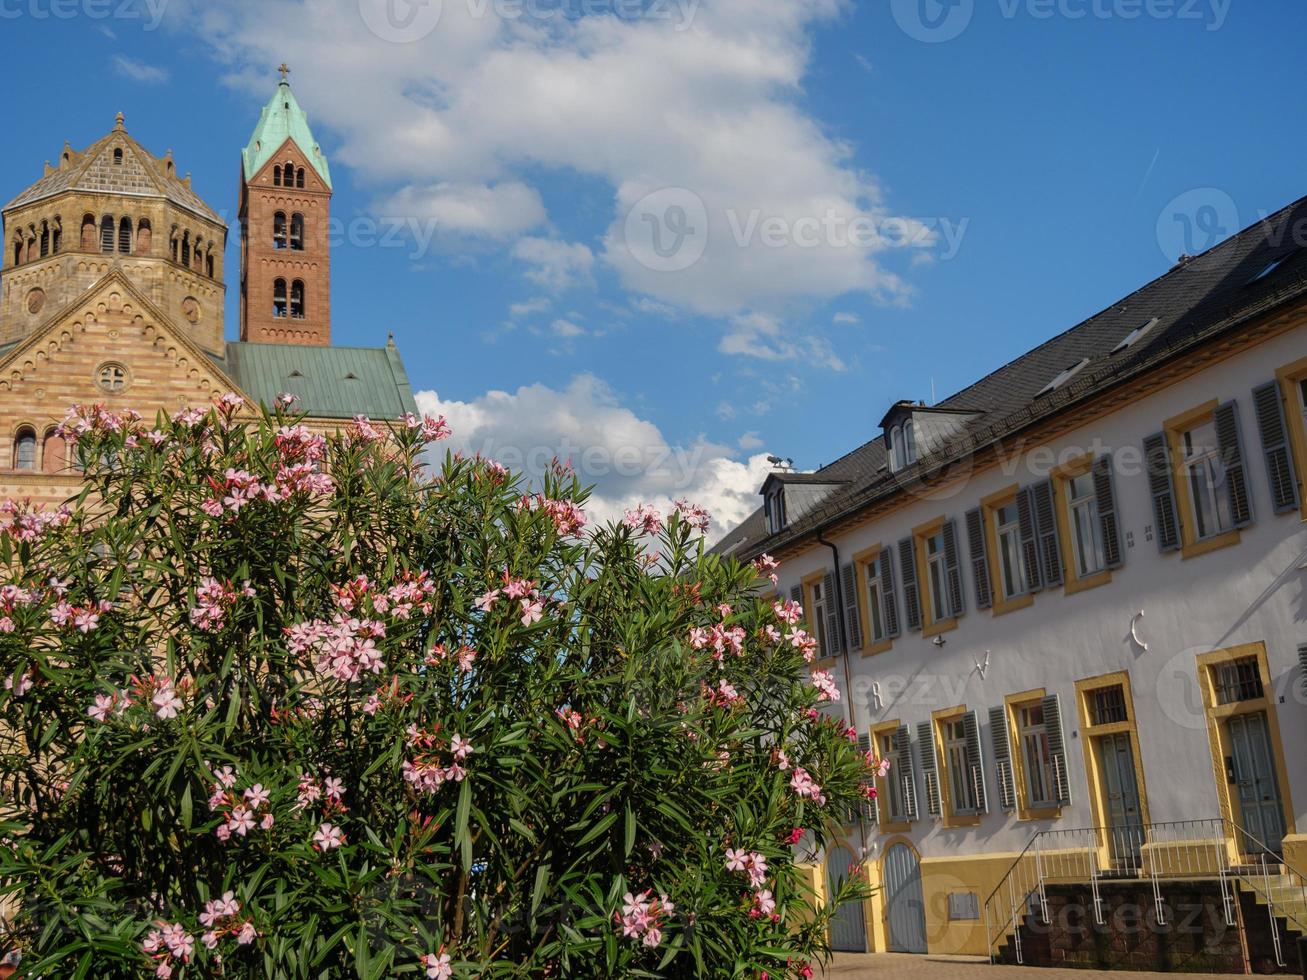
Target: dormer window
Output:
[
  {"x": 776, "y": 520},
  {"x": 1066, "y": 375},
  {"x": 903, "y": 445}
]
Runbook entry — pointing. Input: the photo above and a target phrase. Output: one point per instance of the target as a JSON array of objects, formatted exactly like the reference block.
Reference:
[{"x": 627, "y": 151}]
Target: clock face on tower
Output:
[{"x": 191, "y": 310}]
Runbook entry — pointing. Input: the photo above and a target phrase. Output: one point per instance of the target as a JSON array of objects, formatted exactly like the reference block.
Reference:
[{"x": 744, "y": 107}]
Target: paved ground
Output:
[{"x": 851, "y": 966}]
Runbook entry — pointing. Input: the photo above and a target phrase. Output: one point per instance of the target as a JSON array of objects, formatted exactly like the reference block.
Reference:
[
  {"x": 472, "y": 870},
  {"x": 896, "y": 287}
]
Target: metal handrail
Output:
[{"x": 1155, "y": 852}]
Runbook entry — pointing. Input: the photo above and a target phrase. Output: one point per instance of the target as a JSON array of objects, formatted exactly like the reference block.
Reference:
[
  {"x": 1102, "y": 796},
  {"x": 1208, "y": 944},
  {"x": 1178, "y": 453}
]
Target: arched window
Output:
[
  {"x": 279, "y": 230},
  {"x": 279, "y": 298},
  {"x": 297, "y": 232},
  {"x": 118, "y": 157},
  {"x": 909, "y": 442},
  {"x": 197, "y": 259},
  {"x": 45, "y": 238},
  {"x": 144, "y": 236},
  {"x": 56, "y": 236},
  {"x": 896, "y": 448},
  {"x": 88, "y": 233},
  {"x": 299, "y": 177},
  {"x": 18, "y": 251},
  {"x": 106, "y": 233},
  {"x": 31, "y": 243},
  {"x": 25, "y": 449},
  {"x": 276, "y": 175},
  {"x": 125, "y": 236},
  {"x": 288, "y": 175},
  {"x": 297, "y": 300},
  {"x": 54, "y": 454},
  {"x": 208, "y": 265},
  {"x": 186, "y": 248}
]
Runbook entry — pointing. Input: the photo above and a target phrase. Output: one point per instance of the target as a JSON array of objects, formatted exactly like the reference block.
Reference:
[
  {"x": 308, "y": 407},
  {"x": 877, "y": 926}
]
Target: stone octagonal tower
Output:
[
  {"x": 285, "y": 210},
  {"x": 113, "y": 206}
]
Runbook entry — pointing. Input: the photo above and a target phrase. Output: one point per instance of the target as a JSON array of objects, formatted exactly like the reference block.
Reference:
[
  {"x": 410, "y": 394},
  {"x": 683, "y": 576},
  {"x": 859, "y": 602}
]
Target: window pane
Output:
[{"x": 874, "y": 609}]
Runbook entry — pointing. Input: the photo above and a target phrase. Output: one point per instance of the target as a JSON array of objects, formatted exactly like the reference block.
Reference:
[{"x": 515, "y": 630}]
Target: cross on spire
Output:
[{"x": 284, "y": 69}]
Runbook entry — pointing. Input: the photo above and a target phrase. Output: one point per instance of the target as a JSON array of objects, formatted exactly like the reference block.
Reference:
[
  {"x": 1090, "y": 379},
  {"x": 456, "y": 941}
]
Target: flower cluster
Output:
[
  {"x": 805, "y": 786},
  {"x": 411, "y": 592},
  {"x": 168, "y": 942},
  {"x": 424, "y": 772},
  {"x": 825, "y": 685},
  {"x": 237, "y": 488},
  {"x": 643, "y": 520},
  {"x": 765, "y": 566},
  {"x": 25, "y": 522},
  {"x": 221, "y": 917},
  {"x": 437, "y": 965},
  {"x": 214, "y": 600},
  {"x": 723, "y": 695},
  {"x": 465, "y": 655},
  {"x": 82, "y": 618},
  {"x": 694, "y": 515},
  {"x": 719, "y": 639},
  {"x": 240, "y": 812},
  {"x": 84, "y": 420},
  {"x": 345, "y": 648},
  {"x": 299, "y": 444},
  {"x": 13, "y": 599},
  {"x": 750, "y": 862},
  {"x": 643, "y": 918},
  {"x": 433, "y": 429},
  {"x": 568, "y": 518},
  {"x": 524, "y": 591}
]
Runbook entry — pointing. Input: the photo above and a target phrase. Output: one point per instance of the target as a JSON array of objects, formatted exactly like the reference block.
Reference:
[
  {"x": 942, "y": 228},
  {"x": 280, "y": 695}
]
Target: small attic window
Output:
[
  {"x": 902, "y": 445},
  {"x": 295, "y": 374},
  {"x": 118, "y": 156},
  {"x": 1136, "y": 335},
  {"x": 1065, "y": 376},
  {"x": 775, "y": 507},
  {"x": 351, "y": 376},
  {"x": 1271, "y": 267}
]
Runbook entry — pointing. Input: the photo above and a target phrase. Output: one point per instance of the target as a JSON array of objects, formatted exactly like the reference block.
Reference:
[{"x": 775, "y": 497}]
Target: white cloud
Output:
[
  {"x": 554, "y": 264},
  {"x": 139, "y": 71},
  {"x": 846, "y": 318},
  {"x": 750, "y": 440},
  {"x": 494, "y": 211},
  {"x": 626, "y": 458},
  {"x": 527, "y": 307},
  {"x": 468, "y": 115},
  {"x": 566, "y": 328}
]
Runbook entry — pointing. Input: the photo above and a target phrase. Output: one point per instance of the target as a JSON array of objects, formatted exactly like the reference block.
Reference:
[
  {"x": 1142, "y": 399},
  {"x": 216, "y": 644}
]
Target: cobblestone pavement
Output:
[{"x": 849, "y": 966}]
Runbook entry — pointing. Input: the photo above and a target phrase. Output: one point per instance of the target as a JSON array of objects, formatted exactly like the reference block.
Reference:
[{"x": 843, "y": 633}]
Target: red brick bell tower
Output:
[{"x": 285, "y": 213}]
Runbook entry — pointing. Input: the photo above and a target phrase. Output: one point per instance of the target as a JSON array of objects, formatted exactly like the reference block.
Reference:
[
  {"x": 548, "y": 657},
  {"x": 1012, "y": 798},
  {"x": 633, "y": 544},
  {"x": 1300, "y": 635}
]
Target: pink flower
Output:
[
  {"x": 643, "y": 520},
  {"x": 328, "y": 837},
  {"x": 100, "y": 710},
  {"x": 438, "y": 965},
  {"x": 486, "y": 601},
  {"x": 241, "y": 821},
  {"x": 246, "y": 935},
  {"x": 825, "y": 685},
  {"x": 257, "y": 795},
  {"x": 20, "y": 684},
  {"x": 166, "y": 702},
  {"x": 532, "y": 610}
]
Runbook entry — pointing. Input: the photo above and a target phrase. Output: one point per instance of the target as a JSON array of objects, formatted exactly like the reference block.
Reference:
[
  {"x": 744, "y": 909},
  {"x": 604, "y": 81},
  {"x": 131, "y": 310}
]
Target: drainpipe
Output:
[{"x": 851, "y": 713}]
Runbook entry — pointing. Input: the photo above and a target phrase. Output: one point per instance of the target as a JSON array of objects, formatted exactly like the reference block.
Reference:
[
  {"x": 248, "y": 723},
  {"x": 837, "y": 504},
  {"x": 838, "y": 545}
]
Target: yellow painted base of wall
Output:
[
  {"x": 1295, "y": 852},
  {"x": 942, "y": 876}
]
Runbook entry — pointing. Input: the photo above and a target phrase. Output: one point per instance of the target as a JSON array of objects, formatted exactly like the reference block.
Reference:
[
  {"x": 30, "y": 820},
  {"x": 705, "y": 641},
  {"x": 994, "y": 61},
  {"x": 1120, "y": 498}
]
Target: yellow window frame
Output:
[
  {"x": 1013, "y": 704},
  {"x": 989, "y": 508},
  {"x": 930, "y": 625},
  {"x": 1074, "y": 582},
  {"x": 1089, "y": 731},
  {"x": 1174, "y": 428},
  {"x": 861, "y": 562},
  {"x": 1289, "y": 377},
  {"x": 948, "y": 812}
]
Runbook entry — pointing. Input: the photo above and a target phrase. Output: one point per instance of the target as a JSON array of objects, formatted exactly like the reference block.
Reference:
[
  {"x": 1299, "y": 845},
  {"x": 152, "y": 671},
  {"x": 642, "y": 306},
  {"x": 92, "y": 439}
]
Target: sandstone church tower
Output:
[{"x": 285, "y": 211}]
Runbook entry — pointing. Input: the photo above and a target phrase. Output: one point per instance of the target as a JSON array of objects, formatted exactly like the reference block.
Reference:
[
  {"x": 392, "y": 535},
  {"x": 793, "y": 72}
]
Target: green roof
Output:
[
  {"x": 330, "y": 382},
  {"x": 283, "y": 119}
]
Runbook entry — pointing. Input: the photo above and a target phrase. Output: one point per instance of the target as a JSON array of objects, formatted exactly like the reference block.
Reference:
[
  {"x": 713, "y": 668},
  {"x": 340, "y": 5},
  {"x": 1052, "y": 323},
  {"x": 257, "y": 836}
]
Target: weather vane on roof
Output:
[{"x": 284, "y": 69}]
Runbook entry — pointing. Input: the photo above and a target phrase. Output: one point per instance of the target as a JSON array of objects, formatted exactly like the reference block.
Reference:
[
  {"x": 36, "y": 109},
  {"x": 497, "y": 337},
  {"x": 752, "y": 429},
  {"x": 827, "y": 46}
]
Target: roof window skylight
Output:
[
  {"x": 1271, "y": 267},
  {"x": 1136, "y": 335},
  {"x": 1065, "y": 376}
]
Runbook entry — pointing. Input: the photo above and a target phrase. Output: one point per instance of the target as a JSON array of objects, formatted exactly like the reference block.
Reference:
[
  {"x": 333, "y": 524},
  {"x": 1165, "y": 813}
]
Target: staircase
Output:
[{"x": 1195, "y": 895}]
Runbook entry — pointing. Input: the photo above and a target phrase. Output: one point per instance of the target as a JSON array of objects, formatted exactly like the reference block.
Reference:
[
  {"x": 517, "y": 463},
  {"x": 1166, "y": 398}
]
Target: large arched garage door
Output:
[
  {"x": 848, "y": 933},
  {"x": 904, "y": 907}
]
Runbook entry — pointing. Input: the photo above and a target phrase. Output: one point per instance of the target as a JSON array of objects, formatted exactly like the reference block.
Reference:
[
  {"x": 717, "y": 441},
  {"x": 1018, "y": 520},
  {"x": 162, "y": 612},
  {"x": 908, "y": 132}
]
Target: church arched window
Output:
[
  {"x": 56, "y": 235},
  {"x": 25, "y": 449},
  {"x": 279, "y": 230},
  {"x": 144, "y": 236},
  {"x": 299, "y": 177},
  {"x": 186, "y": 248},
  {"x": 118, "y": 156},
  {"x": 279, "y": 298},
  {"x": 88, "y": 233},
  {"x": 45, "y": 238},
  {"x": 297, "y": 232},
  {"x": 106, "y": 233},
  {"x": 54, "y": 454},
  {"x": 276, "y": 175},
  {"x": 18, "y": 251},
  {"x": 125, "y": 236},
  {"x": 208, "y": 264},
  {"x": 297, "y": 300},
  {"x": 197, "y": 258}
]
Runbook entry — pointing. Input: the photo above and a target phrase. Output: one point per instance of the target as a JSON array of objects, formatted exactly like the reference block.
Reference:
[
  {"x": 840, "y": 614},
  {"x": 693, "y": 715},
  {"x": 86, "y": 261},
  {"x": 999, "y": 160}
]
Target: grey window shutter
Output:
[
  {"x": 1050, "y": 545},
  {"x": 908, "y": 571},
  {"x": 929, "y": 767},
  {"x": 852, "y": 611},
  {"x": 888, "y": 594},
  {"x": 1105, "y": 492},
  {"x": 796, "y": 596},
  {"x": 1302, "y": 663},
  {"x": 907, "y": 774},
  {"x": 979, "y": 558},
  {"x": 1057, "y": 749},
  {"x": 953, "y": 566},
  {"x": 870, "y": 806},
  {"x": 1001, "y": 742},
  {"x": 832, "y": 616},
  {"x": 975, "y": 760},
  {"x": 1029, "y": 539},
  {"x": 1280, "y": 472},
  {"x": 1236, "y": 475},
  {"x": 1157, "y": 460}
]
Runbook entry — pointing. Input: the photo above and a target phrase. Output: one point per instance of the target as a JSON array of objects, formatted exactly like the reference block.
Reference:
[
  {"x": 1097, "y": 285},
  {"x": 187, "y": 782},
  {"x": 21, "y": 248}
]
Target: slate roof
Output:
[
  {"x": 1199, "y": 299},
  {"x": 140, "y": 174},
  {"x": 283, "y": 119},
  {"x": 331, "y": 382}
]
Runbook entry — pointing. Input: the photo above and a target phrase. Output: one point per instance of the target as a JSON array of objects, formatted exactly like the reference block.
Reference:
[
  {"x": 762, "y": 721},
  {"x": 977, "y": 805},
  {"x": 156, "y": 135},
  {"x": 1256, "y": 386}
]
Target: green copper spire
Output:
[{"x": 283, "y": 119}]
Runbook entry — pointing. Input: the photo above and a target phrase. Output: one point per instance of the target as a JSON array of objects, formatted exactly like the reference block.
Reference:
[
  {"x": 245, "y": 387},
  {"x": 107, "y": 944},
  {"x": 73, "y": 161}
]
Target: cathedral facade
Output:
[{"x": 113, "y": 291}]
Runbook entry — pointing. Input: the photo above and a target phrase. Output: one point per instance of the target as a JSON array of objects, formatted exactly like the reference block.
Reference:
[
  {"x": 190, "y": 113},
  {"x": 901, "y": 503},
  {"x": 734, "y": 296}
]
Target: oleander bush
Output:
[{"x": 285, "y": 704}]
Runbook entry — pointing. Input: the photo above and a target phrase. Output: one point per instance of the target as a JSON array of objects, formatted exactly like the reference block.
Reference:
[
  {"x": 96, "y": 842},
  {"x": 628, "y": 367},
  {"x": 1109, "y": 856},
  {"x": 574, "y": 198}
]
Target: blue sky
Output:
[{"x": 896, "y": 196}]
